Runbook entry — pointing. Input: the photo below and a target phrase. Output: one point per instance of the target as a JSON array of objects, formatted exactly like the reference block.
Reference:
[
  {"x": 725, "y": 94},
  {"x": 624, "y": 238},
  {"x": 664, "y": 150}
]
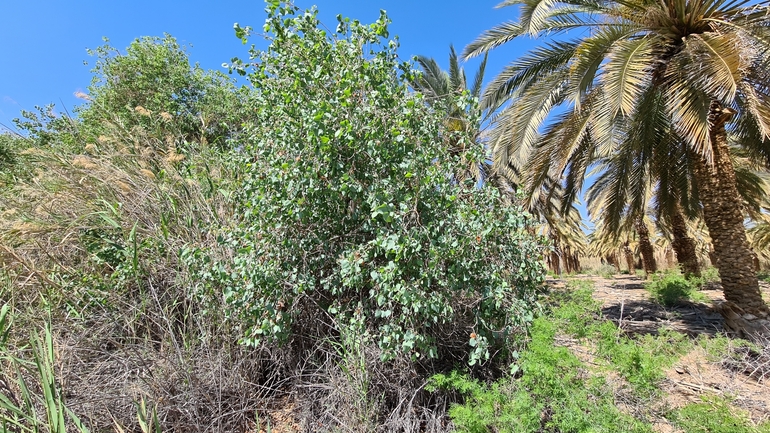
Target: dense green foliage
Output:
[
  {"x": 350, "y": 212},
  {"x": 201, "y": 249},
  {"x": 151, "y": 86}
]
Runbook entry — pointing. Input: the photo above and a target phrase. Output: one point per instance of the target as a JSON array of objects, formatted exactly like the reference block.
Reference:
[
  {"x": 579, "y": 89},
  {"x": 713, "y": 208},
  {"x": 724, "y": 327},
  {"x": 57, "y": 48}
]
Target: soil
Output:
[{"x": 696, "y": 375}]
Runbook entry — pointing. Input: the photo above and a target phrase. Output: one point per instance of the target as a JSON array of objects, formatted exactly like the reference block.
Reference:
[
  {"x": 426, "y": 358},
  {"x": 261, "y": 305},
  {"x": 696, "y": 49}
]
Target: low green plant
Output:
[
  {"x": 641, "y": 361},
  {"x": 606, "y": 271},
  {"x": 708, "y": 276},
  {"x": 574, "y": 308},
  {"x": 20, "y": 412},
  {"x": 671, "y": 289},
  {"x": 554, "y": 393},
  {"x": 715, "y": 415}
]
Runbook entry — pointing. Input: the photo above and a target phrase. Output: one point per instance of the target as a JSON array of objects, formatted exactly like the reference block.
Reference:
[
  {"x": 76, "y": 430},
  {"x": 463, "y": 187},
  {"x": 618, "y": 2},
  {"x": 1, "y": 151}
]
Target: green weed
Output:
[
  {"x": 715, "y": 415},
  {"x": 673, "y": 288},
  {"x": 642, "y": 361},
  {"x": 555, "y": 391}
]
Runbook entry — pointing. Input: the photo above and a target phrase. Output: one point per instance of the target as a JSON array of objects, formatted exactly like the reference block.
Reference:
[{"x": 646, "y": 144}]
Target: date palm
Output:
[
  {"x": 441, "y": 89},
  {"x": 652, "y": 175},
  {"x": 703, "y": 64}
]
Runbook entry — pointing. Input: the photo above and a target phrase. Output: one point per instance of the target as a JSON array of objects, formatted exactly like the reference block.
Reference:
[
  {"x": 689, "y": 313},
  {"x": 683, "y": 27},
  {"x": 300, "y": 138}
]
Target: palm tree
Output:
[
  {"x": 441, "y": 90},
  {"x": 703, "y": 64}
]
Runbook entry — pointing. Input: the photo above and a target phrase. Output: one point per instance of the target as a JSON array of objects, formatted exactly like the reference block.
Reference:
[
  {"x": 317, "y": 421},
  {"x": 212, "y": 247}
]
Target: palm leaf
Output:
[{"x": 627, "y": 74}]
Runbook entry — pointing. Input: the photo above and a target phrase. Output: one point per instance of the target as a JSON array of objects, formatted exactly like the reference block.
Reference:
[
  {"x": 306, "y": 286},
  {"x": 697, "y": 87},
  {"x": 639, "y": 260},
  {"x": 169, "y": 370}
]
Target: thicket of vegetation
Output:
[{"x": 330, "y": 248}]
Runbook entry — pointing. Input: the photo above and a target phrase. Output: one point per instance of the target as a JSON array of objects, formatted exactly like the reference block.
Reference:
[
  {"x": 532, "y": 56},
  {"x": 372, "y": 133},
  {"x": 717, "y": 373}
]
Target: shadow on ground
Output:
[{"x": 626, "y": 303}]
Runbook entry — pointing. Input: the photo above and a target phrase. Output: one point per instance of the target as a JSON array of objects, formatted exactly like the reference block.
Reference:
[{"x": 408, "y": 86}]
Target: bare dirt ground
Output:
[{"x": 696, "y": 375}]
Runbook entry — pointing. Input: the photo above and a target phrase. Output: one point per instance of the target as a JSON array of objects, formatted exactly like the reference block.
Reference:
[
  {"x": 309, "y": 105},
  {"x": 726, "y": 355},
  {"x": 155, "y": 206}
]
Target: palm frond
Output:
[
  {"x": 518, "y": 76},
  {"x": 478, "y": 79},
  {"x": 627, "y": 74},
  {"x": 493, "y": 38}
]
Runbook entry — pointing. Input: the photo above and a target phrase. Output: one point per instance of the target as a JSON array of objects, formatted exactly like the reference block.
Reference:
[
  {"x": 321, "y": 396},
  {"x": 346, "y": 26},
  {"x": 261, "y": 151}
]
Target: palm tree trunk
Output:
[
  {"x": 629, "y": 258},
  {"x": 612, "y": 258},
  {"x": 645, "y": 247},
  {"x": 745, "y": 312},
  {"x": 555, "y": 257},
  {"x": 684, "y": 245}
]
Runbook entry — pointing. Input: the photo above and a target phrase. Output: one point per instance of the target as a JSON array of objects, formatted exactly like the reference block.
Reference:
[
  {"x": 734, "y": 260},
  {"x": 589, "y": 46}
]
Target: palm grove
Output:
[
  {"x": 664, "y": 96},
  {"x": 347, "y": 212}
]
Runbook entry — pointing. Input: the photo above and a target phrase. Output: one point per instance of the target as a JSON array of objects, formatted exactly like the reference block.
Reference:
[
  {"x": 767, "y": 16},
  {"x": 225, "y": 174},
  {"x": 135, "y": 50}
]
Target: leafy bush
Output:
[
  {"x": 673, "y": 288},
  {"x": 708, "y": 278},
  {"x": 151, "y": 86},
  {"x": 351, "y": 215}
]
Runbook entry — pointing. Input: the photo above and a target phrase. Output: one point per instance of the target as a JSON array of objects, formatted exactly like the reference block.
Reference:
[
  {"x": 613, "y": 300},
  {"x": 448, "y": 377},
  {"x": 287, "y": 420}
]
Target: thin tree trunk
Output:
[
  {"x": 645, "y": 247},
  {"x": 612, "y": 259},
  {"x": 629, "y": 258},
  {"x": 683, "y": 245},
  {"x": 745, "y": 312}
]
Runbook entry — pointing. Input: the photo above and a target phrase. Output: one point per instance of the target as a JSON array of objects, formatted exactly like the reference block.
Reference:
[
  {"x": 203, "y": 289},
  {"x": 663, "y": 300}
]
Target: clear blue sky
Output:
[{"x": 43, "y": 42}]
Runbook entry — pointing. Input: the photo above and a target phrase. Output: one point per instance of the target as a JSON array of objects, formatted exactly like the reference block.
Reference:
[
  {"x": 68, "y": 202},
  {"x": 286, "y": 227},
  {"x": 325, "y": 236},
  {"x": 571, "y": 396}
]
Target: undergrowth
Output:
[
  {"x": 617, "y": 388},
  {"x": 715, "y": 415},
  {"x": 672, "y": 288}
]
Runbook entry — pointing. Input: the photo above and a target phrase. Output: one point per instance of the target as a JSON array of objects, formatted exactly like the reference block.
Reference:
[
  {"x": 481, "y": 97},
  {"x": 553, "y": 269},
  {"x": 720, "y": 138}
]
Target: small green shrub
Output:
[
  {"x": 707, "y": 277},
  {"x": 606, "y": 271},
  {"x": 715, "y": 415},
  {"x": 574, "y": 309},
  {"x": 672, "y": 289}
]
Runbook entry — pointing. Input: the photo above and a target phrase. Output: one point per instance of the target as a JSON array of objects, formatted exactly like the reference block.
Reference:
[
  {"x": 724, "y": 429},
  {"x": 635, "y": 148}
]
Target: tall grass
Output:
[{"x": 94, "y": 236}]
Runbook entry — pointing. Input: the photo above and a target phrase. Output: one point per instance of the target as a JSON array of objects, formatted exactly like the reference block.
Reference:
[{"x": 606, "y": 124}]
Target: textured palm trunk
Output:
[
  {"x": 683, "y": 245},
  {"x": 555, "y": 256},
  {"x": 575, "y": 258},
  {"x": 629, "y": 258},
  {"x": 645, "y": 247},
  {"x": 569, "y": 263},
  {"x": 745, "y": 312}
]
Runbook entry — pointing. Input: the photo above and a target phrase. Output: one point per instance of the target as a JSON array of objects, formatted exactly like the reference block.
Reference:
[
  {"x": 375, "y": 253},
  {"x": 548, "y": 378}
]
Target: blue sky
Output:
[{"x": 43, "y": 43}]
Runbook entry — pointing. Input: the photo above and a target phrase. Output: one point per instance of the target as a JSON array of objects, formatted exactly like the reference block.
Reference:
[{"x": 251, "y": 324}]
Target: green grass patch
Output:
[
  {"x": 715, "y": 415},
  {"x": 672, "y": 289}
]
